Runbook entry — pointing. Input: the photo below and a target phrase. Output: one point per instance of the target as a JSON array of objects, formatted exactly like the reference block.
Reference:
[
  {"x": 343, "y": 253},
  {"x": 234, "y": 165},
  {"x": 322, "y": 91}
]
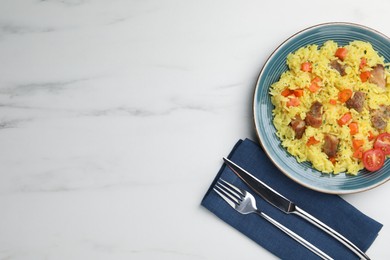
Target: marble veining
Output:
[
  {"x": 11, "y": 29},
  {"x": 34, "y": 88},
  {"x": 68, "y": 3}
]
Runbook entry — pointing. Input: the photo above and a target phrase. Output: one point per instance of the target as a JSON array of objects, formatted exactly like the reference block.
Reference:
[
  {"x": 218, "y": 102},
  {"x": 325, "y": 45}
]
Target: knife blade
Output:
[
  {"x": 262, "y": 189},
  {"x": 287, "y": 206}
]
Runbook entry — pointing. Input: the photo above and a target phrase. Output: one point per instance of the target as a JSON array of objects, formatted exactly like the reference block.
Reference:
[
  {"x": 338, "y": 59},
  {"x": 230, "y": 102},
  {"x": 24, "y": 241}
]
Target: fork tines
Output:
[{"x": 229, "y": 193}]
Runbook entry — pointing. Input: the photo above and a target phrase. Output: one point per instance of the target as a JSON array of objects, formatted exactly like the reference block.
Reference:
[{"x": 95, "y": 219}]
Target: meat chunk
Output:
[
  {"x": 314, "y": 116},
  {"x": 386, "y": 111},
  {"x": 356, "y": 101},
  {"x": 380, "y": 116},
  {"x": 299, "y": 126},
  {"x": 335, "y": 64},
  {"x": 378, "y": 122},
  {"x": 378, "y": 76},
  {"x": 331, "y": 144}
]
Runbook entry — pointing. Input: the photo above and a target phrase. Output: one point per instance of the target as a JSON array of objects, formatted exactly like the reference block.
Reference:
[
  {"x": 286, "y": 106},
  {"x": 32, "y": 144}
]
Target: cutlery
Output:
[
  {"x": 287, "y": 206},
  {"x": 245, "y": 203}
]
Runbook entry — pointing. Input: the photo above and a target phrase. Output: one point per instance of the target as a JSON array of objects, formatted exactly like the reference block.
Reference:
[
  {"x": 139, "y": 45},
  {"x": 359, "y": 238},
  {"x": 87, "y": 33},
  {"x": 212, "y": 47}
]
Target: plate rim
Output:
[{"x": 255, "y": 121}]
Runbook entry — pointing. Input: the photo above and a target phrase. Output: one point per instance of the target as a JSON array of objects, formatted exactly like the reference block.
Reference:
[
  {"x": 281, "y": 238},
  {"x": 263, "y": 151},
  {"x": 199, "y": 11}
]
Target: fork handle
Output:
[
  {"x": 295, "y": 236},
  {"x": 300, "y": 212}
]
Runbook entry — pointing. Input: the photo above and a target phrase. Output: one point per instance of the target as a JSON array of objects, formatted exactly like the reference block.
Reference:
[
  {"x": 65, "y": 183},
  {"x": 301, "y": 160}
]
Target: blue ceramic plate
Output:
[{"x": 303, "y": 173}]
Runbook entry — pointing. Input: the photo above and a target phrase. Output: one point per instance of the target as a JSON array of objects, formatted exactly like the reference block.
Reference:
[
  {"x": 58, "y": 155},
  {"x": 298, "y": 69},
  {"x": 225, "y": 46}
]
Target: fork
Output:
[{"x": 245, "y": 203}]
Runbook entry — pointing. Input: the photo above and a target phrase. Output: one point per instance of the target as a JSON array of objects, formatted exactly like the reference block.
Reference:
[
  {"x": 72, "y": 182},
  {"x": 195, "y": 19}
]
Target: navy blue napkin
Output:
[{"x": 331, "y": 209}]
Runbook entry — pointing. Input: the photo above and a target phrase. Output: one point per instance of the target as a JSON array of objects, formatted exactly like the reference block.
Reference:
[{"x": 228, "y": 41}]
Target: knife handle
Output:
[
  {"x": 300, "y": 212},
  {"x": 295, "y": 236}
]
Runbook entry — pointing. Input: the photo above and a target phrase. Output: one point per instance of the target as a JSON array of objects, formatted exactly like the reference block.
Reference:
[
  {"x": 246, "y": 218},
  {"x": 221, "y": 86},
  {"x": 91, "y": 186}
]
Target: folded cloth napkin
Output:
[{"x": 330, "y": 209}]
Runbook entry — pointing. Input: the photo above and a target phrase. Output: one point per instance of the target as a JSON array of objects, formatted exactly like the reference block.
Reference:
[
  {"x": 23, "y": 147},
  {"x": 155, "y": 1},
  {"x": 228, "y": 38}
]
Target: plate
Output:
[{"x": 303, "y": 173}]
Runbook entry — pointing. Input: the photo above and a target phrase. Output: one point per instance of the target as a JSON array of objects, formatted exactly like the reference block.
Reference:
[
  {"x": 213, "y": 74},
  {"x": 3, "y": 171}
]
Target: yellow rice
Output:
[{"x": 331, "y": 84}]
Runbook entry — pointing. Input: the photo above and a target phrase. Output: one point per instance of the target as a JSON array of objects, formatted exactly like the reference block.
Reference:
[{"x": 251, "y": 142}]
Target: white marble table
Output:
[{"x": 111, "y": 110}]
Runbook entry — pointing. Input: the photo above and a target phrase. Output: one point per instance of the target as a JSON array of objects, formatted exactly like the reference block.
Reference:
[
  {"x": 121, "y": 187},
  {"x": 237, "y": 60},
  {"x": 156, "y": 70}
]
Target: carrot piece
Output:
[
  {"x": 333, "y": 101},
  {"x": 344, "y": 119},
  {"x": 344, "y": 95},
  {"x": 312, "y": 141},
  {"x": 316, "y": 80},
  {"x": 363, "y": 63},
  {"x": 298, "y": 92},
  {"x": 341, "y": 53},
  {"x": 358, "y": 154},
  {"x": 306, "y": 66},
  {"x": 332, "y": 160},
  {"x": 293, "y": 102},
  {"x": 371, "y": 136},
  {"x": 365, "y": 75},
  {"x": 286, "y": 92},
  {"x": 314, "y": 87},
  {"x": 353, "y": 128},
  {"x": 357, "y": 143}
]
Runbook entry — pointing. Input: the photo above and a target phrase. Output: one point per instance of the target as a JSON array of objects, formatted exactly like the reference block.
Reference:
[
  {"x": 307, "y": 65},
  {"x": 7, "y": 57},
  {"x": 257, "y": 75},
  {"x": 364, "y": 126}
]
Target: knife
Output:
[{"x": 287, "y": 206}]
